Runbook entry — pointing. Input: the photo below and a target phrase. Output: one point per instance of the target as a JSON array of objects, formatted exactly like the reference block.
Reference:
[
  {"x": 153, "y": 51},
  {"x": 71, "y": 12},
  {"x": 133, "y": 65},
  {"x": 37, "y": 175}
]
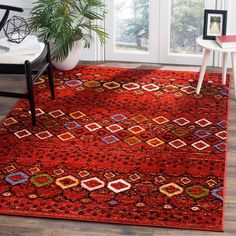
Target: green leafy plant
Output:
[{"x": 63, "y": 22}]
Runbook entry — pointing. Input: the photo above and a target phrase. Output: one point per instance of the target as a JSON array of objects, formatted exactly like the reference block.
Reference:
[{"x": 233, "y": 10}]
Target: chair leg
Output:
[
  {"x": 203, "y": 70},
  {"x": 50, "y": 72},
  {"x": 233, "y": 56},
  {"x": 29, "y": 83},
  {"x": 224, "y": 68}
]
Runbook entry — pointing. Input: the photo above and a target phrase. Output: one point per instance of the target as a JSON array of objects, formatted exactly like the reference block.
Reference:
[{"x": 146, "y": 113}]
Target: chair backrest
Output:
[{"x": 6, "y": 14}]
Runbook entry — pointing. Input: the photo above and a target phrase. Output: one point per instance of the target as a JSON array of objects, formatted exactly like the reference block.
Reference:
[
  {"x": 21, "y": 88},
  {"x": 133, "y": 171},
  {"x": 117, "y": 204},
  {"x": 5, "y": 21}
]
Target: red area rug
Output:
[{"x": 129, "y": 146}]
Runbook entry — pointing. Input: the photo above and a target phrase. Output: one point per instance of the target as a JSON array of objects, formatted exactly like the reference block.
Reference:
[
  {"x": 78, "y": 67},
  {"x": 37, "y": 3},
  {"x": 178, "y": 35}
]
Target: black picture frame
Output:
[{"x": 215, "y": 23}]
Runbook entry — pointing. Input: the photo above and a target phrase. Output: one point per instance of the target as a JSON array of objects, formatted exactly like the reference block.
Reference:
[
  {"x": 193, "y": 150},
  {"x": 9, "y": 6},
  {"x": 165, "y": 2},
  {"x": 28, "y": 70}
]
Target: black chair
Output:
[{"x": 33, "y": 68}]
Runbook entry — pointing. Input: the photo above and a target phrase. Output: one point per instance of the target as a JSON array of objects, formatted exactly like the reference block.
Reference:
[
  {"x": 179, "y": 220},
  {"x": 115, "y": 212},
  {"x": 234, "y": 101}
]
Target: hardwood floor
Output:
[{"x": 28, "y": 226}]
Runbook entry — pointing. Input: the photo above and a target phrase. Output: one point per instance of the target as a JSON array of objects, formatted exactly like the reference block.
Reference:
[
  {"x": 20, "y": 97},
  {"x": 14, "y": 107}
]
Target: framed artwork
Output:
[{"x": 215, "y": 23}]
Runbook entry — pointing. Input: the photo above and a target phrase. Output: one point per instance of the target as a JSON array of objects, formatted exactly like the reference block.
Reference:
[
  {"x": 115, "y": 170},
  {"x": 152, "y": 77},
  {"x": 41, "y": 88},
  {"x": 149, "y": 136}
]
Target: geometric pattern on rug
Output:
[{"x": 130, "y": 146}]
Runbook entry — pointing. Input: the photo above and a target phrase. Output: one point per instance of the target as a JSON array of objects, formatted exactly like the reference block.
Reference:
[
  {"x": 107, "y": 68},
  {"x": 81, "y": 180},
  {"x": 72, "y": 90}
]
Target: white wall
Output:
[
  {"x": 17, "y": 3},
  {"x": 231, "y": 27},
  {"x": 26, "y": 4}
]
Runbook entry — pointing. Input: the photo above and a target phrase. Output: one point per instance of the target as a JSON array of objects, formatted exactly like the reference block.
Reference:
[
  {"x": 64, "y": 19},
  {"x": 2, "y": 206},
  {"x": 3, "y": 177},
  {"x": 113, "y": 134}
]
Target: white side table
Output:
[{"x": 211, "y": 45}]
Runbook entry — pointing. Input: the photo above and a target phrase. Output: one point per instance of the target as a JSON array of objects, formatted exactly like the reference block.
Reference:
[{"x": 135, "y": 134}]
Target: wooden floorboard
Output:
[{"x": 29, "y": 226}]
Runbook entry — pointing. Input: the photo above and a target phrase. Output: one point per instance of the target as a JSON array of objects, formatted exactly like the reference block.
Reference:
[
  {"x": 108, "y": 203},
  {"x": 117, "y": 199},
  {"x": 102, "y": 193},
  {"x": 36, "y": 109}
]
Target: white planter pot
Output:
[{"x": 72, "y": 59}]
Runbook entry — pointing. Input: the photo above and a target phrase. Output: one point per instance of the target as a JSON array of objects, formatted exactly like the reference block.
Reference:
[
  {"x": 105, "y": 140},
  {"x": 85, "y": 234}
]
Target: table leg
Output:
[
  {"x": 224, "y": 67},
  {"x": 233, "y": 55},
  {"x": 203, "y": 70}
]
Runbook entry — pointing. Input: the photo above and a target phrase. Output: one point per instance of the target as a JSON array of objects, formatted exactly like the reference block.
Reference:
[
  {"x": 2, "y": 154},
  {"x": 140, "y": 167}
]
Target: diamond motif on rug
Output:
[
  {"x": 185, "y": 180},
  {"x": 188, "y": 89},
  {"x": 77, "y": 115},
  {"x": 119, "y": 186},
  {"x": 41, "y": 180},
  {"x": 160, "y": 120},
  {"x": 211, "y": 182},
  {"x": 131, "y": 86},
  {"x": 56, "y": 113},
  {"x": 92, "y": 184},
  {"x": 58, "y": 172},
  {"x": 17, "y": 178},
  {"x": 109, "y": 175},
  {"x": 38, "y": 112},
  {"x": 136, "y": 129},
  {"x": 180, "y": 132},
  {"x": 202, "y": 133},
  {"x": 134, "y": 177},
  {"x": 10, "y": 121},
  {"x": 83, "y": 173},
  {"x": 111, "y": 85},
  {"x": 218, "y": 193},
  {"x": 221, "y": 146},
  {"x": 197, "y": 191},
  {"x": 93, "y": 126},
  {"x": 22, "y": 133},
  {"x": 110, "y": 139},
  {"x": 155, "y": 142},
  {"x": 200, "y": 145},
  {"x": 178, "y": 143},
  {"x": 72, "y": 125},
  {"x": 43, "y": 135},
  {"x": 139, "y": 119},
  {"x": 132, "y": 141},
  {"x": 10, "y": 168},
  {"x": 73, "y": 83},
  {"x": 203, "y": 122},
  {"x": 160, "y": 179},
  {"x": 66, "y": 136},
  {"x": 114, "y": 128},
  {"x": 171, "y": 189},
  {"x": 34, "y": 170},
  {"x": 92, "y": 84},
  {"x": 67, "y": 182},
  {"x": 150, "y": 87},
  {"x": 181, "y": 121},
  {"x": 118, "y": 117},
  {"x": 222, "y": 124},
  {"x": 222, "y": 135}
]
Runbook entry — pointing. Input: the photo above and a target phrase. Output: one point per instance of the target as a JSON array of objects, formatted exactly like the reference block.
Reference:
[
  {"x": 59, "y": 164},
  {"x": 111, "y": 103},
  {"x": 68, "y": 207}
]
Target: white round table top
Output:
[{"x": 212, "y": 45}]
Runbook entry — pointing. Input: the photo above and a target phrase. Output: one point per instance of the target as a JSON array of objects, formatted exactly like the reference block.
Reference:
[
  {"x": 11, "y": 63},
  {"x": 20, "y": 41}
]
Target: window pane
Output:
[
  {"x": 186, "y": 26},
  {"x": 132, "y": 25}
]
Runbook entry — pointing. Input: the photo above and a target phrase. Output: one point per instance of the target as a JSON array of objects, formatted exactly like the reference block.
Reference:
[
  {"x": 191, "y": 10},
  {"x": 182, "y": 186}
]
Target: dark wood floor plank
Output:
[{"x": 20, "y": 231}]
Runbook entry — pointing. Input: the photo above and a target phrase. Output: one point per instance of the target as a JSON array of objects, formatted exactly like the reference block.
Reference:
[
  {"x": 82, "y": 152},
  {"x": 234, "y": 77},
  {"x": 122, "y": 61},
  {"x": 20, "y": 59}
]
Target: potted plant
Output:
[{"x": 65, "y": 23}]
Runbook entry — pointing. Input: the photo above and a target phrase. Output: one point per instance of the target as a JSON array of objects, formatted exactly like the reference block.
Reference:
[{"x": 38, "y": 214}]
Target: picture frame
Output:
[{"x": 215, "y": 23}]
